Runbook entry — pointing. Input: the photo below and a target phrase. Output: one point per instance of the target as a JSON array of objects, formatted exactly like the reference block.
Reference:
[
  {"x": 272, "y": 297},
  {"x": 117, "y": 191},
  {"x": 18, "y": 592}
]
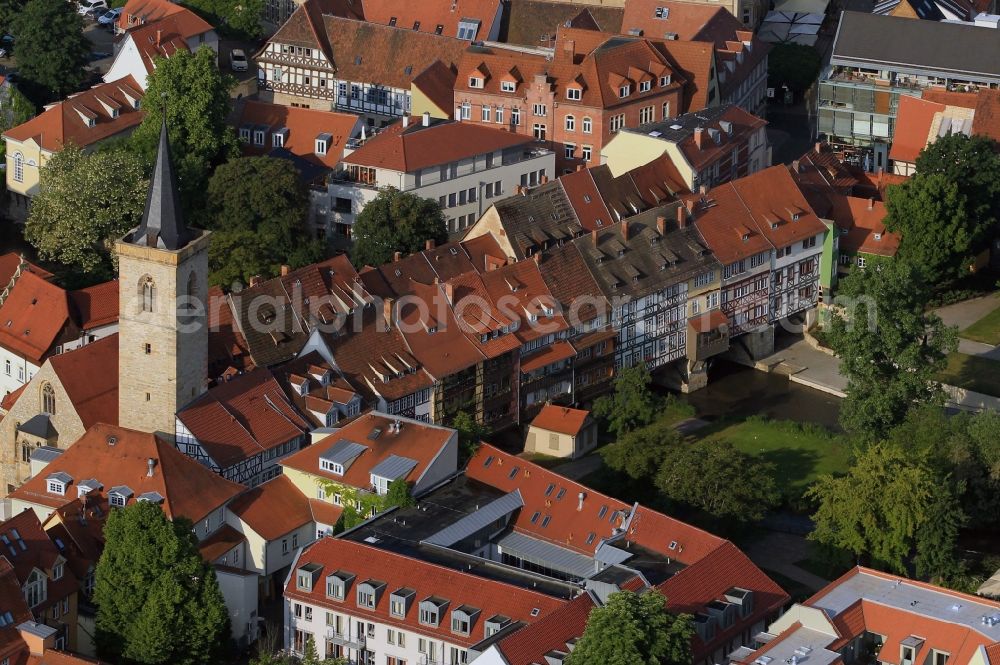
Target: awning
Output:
[
  {"x": 709, "y": 321},
  {"x": 561, "y": 350}
]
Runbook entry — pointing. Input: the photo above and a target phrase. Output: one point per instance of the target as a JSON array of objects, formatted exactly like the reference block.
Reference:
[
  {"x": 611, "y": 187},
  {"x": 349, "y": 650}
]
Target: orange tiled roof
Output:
[
  {"x": 110, "y": 106},
  {"x": 419, "y": 442},
  {"x": 9, "y": 264},
  {"x": 437, "y": 83},
  {"x": 188, "y": 488},
  {"x": 34, "y": 317},
  {"x": 987, "y": 118},
  {"x": 136, "y": 12},
  {"x": 743, "y": 125},
  {"x": 863, "y": 219},
  {"x": 561, "y": 419},
  {"x": 89, "y": 375},
  {"x": 30, "y": 548},
  {"x": 427, "y": 15},
  {"x": 303, "y": 126},
  {"x": 96, "y": 305},
  {"x": 426, "y": 579},
  {"x": 273, "y": 509},
  {"x": 417, "y": 147},
  {"x": 913, "y": 123},
  {"x": 11, "y": 398},
  {"x": 12, "y": 600},
  {"x": 165, "y": 36},
  {"x": 530, "y": 644}
]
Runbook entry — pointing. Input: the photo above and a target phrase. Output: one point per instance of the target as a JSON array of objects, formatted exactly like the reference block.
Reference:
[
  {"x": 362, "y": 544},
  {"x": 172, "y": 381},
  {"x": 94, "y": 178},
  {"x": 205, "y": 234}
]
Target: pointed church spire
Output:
[{"x": 162, "y": 224}]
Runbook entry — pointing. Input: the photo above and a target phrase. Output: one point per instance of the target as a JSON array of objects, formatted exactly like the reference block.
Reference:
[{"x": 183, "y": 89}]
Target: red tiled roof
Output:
[
  {"x": 417, "y": 147},
  {"x": 709, "y": 321},
  {"x": 12, "y": 600},
  {"x": 221, "y": 541},
  {"x": 53, "y": 657},
  {"x": 986, "y": 121},
  {"x": 656, "y": 532},
  {"x": 146, "y": 11},
  {"x": 530, "y": 644},
  {"x": 243, "y": 417},
  {"x": 437, "y": 83},
  {"x": 863, "y": 219},
  {"x": 188, "y": 488},
  {"x": 553, "y": 353},
  {"x": 694, "y": 61},
  {"x": 567, "y": 526},
  {"x": 561, "y": 419},
  {"x": 743, "y": 123},
  {"x": 165, "y": 36},
  {"x": 273, "y": 509},
  {"x": 11, "y": 398},
  {"x": 586, "y": 199},
  {"x": 325, "y": 513},
  {"x": 96, "y": 305},
  {"x": 67, "y": 121},
  {"x": 950, "y": 98},
  {"x": 397, "y": 571},
  {"x": 419, "y": 442},
  {"x": 427, "y": 15},
  {"x": 89, "y": 375},
  {"x": 685, "y": 20},
  {"x": 913, "y": 123},
  {"x": 9, "y": 264},
  {"x": 433, "y": 333},
  {"x": 993, "y": 654},
  {"x": 227, "y": 348},
  {"x": 34, "y": 550},
  {"x": 33, "y": 317},
  {"x": 303, "y": 126}
]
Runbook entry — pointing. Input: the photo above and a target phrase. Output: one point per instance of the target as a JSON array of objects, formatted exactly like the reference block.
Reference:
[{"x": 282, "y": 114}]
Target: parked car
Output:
[
  {"x": 6, "y": 46},
  {"x": 238, "y": 60},
  {"x": 87, "y": 6},
  {"x": 110, "y": 17}
]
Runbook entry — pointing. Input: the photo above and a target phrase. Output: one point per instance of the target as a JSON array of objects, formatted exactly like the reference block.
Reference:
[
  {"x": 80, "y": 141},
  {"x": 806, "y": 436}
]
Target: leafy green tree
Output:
[
  {"x": 890, "y": 348},
  {"x": 794, "y": 65},
  {"x": 15, "y": 109},
  {"x": 85, "y": 202},
  {"x": 470, "y": 433},
  {"x": 400, "y": 494},
  {"x": 634, "y": 629},
  {"x": 9, "y": 10},
  {"x": 195, "y": 93},
  {"x": 235, "y": 18},
  {"x": 639, "y": 453},
  {"x": 888, "y": 507},
  {"x": 395, "y": 221},
  {"x": 939, "y": 235},
  {"x": 158, "y": 600},
  {"x": 52, "y": 50},
  {"x": 631, "y": 404},
  {"x": 716, "y": 477},
  {"x": 257, "y": 209}
]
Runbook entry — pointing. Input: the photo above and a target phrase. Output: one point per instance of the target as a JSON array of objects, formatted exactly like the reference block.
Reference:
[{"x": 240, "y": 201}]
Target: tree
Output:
[
  {"x": 235, "y": 18},
  {"x": 15, "y": 109},
  {"x": 400, "y": 494},
  {"x": 158, "y": 601},
  {"x": 794, "y": 65},
  {"x": 9, "y": 10},
  {"x": 631, "y": 404},
  {"x": 639, "y": 454},
  {"x": 52, "y": 50},
  {"x": 716, "y": 477},
  {"x": 939, "y": 235},
  {"x": 257, "y": 209},
  {"x": 889, "y": 506},
  {"x": 890, "y": 348},
  {"x": 85, "y": 202},
  {"x": 395, "y": 221},
  {"x": 634, "y": 629},
  {"x": 195, "y": 93},
  {"x": 470, "y": 433}
]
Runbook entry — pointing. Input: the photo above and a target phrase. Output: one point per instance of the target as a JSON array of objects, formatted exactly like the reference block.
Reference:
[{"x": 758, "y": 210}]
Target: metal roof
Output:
[
  {"x": 37, "y": 629},
  {"x": 343, "y": 452},
  {"x": 123, "y": 490},
  {"x": 393, "y": 467},
  {"x": 61, "y": 476},
  {"x": 40, "y": 426},
  {"x": 162, "y": 224},
  {"x": 45, "y": 454},
  {"x": 611, "y": 555},
  {"x": 153, "y": 497},
  {"x": 477, "y": 520},
  {"x": 546, "y": 554},
  {"x": 91, "y": 484}
]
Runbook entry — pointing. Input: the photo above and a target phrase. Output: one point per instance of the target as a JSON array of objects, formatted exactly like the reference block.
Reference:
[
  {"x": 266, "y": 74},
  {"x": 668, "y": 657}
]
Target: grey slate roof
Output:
[
  {"x": 473, "y": 522},
  {"x": 343, "y": 452},
  {"x": 967, "y": 51},
  {"x": 647, "y": 262},
  {"x": 40, "y": 425},
  {"x": 162, "y": 225},
  {"x": 123, "y": 490},
  {"x": 543, "y": 215},
  {"x": 546, "y": 554},
  {"x": 61, "y": 476},
  {"x": 393, "y": 467},
  {"x": 45, "y": 454},
  {"x": 675, "y": 130}
]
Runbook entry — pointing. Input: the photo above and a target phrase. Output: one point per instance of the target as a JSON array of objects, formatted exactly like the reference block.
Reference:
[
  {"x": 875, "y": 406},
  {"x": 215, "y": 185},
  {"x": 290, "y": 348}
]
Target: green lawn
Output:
[
  {"x": 800, "y": 452},
  {"x": 985, "y": 330},
  {"x": 972, "y": 373}
]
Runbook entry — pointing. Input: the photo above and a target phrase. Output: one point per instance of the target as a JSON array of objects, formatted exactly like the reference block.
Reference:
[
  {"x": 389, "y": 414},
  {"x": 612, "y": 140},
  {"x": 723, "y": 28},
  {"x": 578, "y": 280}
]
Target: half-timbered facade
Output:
[{"x": 328, "y": 62}]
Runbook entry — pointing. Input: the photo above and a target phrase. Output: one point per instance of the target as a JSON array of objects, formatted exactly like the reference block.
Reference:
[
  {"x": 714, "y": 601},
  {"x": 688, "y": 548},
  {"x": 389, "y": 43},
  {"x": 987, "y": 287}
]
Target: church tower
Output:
[{"x": 162, "y": 349}]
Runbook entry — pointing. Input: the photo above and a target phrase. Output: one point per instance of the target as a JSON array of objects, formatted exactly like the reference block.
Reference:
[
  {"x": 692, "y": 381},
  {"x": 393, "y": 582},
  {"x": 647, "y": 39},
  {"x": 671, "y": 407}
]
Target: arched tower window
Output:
[
  {"x": 192, "y": 285},
  {"x": 48, "y": 399},
  {"x": 147, "y": 291}
]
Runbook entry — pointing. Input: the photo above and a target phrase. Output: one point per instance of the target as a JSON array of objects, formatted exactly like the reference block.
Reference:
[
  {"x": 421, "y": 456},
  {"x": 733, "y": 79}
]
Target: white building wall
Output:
[
  {"x": 15, "y": 371},
  {"x": 240, "y": 592}
]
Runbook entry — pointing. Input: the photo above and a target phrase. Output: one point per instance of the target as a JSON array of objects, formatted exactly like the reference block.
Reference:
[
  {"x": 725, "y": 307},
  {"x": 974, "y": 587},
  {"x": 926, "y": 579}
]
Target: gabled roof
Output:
[
  {"x": 34, "y": 317},
  {"x": 137, "y": 12},
  {"x": 534, "y": 22},
  {"x": 243, "y": 417},
  {"x": 437, "y": 83},
  {"x": 165, "y": 36},
  {"x": 861, "y": 223},
  {"x": 119, "y": 456},
  {"x": 561, "y": 419},
  {"x": 28, "y": 548},
  {"x": 12, "y": 601},
  {"x": 13, "y": 263},
  {"x": 89, "y": 376},
  {"x": 682, "y": 20},
  {"x": 303, "y": 127},
  {"x": 541, "y": 216},
  {"x": 530, "y": 644},
  {"x": 110, "y": 106},
  {"x": 427, "y": 15},
  {"x": 96, "y": 305},
  {"x": 569, "y": 279},
  {"x": 450, "y": 589},
  {"x": 273, "y": 509},
  {"x": 419, "y": 443},
  {"x": 409, "y": 149}
]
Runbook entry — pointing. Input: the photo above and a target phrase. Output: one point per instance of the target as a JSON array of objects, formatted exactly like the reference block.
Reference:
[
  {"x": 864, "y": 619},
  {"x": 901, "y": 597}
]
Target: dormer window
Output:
[
  {"x": 368, "y": 593},
  {"x": 467, "y": 29},
  {"x": 278, "y": 138},
  {"x": 462, "y": 618},
  {"x": 323, "y": 143},
  {"x": 91, "y": 122},
  {"x": 475, "y": 82},
  {"x": 332, "y": 467},
  {"x": 430, "y": 611},
  {"x": 258, "y": 137},
  {"x": 306, "y": 576},
  {"x": 644, "y": 86},
  {"x": 118, "y": 496},
  {"x": 665, "y": 80},
  {"x": 337, "y": 584},
  {"x": 114, "y": 113},
  {"x": 624, "y": 91},
  {"x": 662, "y": 13},
  {"x": 245, "y": 134},
  {"x": 56, "y": 483},
  {"x": 508, "y": 86},
  {"x": 576, "y": 94}
]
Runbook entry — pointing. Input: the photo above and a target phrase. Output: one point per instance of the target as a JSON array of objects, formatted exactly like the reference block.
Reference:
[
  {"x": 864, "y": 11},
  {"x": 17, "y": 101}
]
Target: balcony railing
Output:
[{"x": 345, "y": 639}]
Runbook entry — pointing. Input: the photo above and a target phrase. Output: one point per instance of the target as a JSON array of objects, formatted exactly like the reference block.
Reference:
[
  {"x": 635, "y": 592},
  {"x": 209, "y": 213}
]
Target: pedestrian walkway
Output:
[
  {"x": 781, "y": 553},
  {"x": 808, "y": 366},
  {"x": 964, "y": 314}
]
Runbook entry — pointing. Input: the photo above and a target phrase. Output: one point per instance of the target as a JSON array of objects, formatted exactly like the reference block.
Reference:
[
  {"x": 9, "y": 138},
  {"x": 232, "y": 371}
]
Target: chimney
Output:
[
  {"x": 871, "y": 203},
  {"x": 819, "y": 147},
  {"x": 39, "y": 637},
  {"x": 796, "y": 167},
  {"x": 699, "y": 136},
  {"x": 703, "y": 189},
  {"x": 537, "y": 256},
  {"x": 425, "y": 120},
  {"x": 661, "y": 221},
  {"x": 690, "y": 208},
  {"x": 285, "y": 269},
  {"x": 580, "y": 497},
  {"x": 579, "y": 167},
  {"x": 150, "y": 465},
  {"x": 594, "y": 237},
  {"x": 517, "y": 190},
  {"x": 387, "y": 306},
  {"x": 569, "y": 47},
  {"x": 159, "y": 35},
  {"x": 625, "y": 230},
  {"x": 429, "y": 244},
  {"x": 396, "y": 256},
  {"x": 544, "y": 179},
  {"x": 449, "y": 292},
  {"x": 255, "y": 281},
  {"x": 406, "y": 120}
]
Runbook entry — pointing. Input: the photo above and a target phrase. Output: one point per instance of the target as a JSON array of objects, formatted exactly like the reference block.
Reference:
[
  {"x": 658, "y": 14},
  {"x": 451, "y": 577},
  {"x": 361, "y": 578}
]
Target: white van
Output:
[{"x": 88, "y": 6}]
